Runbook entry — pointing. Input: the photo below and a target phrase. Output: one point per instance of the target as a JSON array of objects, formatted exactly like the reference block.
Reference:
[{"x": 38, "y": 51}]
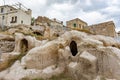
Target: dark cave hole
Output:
[
  {"x": 24, "y": 45},
  {"x": 37, "y": 33},
  {"x": 113, "y": 46},
  {"x": 73, "y": 48}
]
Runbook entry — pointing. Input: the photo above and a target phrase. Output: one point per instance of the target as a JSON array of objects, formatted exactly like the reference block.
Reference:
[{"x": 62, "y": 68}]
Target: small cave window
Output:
[
  {"x": 10, "y": 9},
  {"x": 73, "y": 48},
  {"x": 37, "y": 33},
  {"x": 113, "y": 46}
]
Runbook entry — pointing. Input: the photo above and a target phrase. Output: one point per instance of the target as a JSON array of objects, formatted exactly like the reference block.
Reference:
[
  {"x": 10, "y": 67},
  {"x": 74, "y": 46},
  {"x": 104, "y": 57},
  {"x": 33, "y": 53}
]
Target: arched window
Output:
[{"x": 74, "y": 24}]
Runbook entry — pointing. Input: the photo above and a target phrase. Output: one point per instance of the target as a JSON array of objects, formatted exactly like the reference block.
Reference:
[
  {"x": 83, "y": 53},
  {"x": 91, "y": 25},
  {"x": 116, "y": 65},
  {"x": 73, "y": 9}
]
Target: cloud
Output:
[
  {"x": 59, "y": 11},
  {"x": 113, "y": 3},
  {"x": 93, "y": 17},
  {"x": 92, "y": 5},
  {"x": 62, "y": 7},
  {"x": 113, "y": 11}
]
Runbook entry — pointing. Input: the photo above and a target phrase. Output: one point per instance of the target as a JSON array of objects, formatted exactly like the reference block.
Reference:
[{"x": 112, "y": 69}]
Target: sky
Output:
[{"x": 90, "y": 11}]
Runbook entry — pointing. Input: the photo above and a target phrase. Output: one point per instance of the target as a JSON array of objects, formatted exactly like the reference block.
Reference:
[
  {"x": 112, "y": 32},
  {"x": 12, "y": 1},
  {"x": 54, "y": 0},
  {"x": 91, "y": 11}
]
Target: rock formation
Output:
[{"x": 79, "y": 55}]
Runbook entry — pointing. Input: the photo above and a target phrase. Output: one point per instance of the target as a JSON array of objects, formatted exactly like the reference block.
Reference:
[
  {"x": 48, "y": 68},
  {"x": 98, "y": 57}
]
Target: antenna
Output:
[
  {"x": 4, "y": 2},
  {"x": 20, "y": 5}
]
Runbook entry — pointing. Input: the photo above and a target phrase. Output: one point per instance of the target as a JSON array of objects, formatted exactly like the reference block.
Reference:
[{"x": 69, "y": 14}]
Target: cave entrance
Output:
[
  {"x": 23, "y": 46},
  {"x": 73, "y": 48}
]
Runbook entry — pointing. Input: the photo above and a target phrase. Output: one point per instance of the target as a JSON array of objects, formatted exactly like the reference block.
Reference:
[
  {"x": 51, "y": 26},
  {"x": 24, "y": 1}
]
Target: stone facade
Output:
[
  {"x": 105, "y": 28},
  {"x": 53, "y": 27},
  {"x": 76, "y": 24},
  {"x": 11, "y": 16},
  {"x": 41, "y": 20}
]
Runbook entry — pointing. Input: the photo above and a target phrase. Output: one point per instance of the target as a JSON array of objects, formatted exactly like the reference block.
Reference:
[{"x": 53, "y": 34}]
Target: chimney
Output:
[
  {"x": 54, "y": 19},
  {"x": 29, "y": 11}
]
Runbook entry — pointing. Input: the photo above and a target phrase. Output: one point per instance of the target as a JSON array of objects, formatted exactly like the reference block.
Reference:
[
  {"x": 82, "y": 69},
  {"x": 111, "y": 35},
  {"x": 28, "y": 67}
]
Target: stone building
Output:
[
  {"x": 56, "y": 22},
  {"x": 42, "y": 20},
  {"x": 55, "y": 26},
  {"x": 14, "y": 15},
  {"x": 76, "y": 24},
  {"x": 105, "y": 28}
]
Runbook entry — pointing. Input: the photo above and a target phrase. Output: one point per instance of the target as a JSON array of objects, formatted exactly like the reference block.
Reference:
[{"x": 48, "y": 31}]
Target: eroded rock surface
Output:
[
  {"x": 6, "y": 46},
  {"x": 79, "y": 55}
]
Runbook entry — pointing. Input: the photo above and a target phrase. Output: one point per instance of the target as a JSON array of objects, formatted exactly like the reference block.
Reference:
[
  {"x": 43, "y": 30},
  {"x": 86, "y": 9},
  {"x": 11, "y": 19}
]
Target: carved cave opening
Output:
[
  {"x": 37, "y": 33},
  {"x": 73, "y": 48},
  {"x": 24, "y": 45}
]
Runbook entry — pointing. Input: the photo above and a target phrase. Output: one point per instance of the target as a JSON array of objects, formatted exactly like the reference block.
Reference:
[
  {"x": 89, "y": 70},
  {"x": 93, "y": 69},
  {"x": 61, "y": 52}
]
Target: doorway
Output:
[{"x": 23, "y": 46}]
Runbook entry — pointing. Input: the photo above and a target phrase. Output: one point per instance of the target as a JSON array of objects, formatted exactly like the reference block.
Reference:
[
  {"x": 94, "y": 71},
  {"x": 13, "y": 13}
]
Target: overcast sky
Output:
[{"x": 91, "y": 11}]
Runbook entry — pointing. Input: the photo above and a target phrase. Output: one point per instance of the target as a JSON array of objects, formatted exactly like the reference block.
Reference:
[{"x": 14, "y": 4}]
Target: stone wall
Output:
[
  {"x": 6, "y": 46},
  {"x": 41, "y": 20},
  {"x": 106, "y": 28}
]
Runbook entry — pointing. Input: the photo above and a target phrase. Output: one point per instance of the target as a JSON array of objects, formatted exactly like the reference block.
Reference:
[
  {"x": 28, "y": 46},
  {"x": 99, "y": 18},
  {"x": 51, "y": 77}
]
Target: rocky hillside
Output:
[{"x": 74, "y": 55}]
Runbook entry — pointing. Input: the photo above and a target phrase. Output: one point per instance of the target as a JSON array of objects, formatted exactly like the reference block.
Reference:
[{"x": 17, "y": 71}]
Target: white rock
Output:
[
  {"x": 88, "y": 56},
  {"x": 73, "y": 64}
]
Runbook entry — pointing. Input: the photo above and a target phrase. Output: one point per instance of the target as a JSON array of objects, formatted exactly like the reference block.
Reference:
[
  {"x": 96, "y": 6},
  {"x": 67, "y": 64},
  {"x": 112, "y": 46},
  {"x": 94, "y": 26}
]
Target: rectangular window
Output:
[
  {"x": 22, "y": 22},
  {"x": 15, "y": 19},
  {"x": 2, "y": 9},
  {"x": 3, "y": 17},
  {"x": 12, "y": 20},
  {"x": 74, "y": 24}
]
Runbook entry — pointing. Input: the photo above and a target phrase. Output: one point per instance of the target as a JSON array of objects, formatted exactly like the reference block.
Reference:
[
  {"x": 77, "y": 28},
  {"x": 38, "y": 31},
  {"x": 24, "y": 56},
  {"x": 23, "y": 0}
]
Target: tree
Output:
[{"x": 32, "y": 21}]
